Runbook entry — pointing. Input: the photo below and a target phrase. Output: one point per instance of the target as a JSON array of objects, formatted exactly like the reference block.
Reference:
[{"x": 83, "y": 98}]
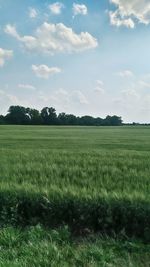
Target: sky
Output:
[{"x": 81, "y": 57}]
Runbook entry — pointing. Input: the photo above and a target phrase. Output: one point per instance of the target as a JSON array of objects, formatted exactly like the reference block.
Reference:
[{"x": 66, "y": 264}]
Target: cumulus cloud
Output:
[
  {"x": 63, "y": 99},
  {"x": 56, "y": 8},
  {"x": 125, "y": 73},
  {"x": 144, "y": 84},
  {"x": 128, "y": 12},
  {"x": 30, "y": 42},
  {"x": 32, "y": 13},
  {"x": 79, "y": 9},
  {"x": 43, "y": 71},
  {"x": 8, "y": 98},
  {"x": 115, "y": 20},
  {"x": 26, "y": 86},
  {"x": 11, "y": 30},
  {"x": 99, "y": 87},
  {"x": 5, "y": 55},
  {"x": 54, "y": 38},
  {"x": 130, "y": 93},
  {"x": 78, "y": 96},
  {"x": 99, "y": 82}
]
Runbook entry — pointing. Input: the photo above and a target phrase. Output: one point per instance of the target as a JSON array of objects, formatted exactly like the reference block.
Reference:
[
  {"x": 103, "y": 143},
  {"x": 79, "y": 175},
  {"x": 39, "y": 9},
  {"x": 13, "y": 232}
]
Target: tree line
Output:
[{"x": 48, "y": 116}]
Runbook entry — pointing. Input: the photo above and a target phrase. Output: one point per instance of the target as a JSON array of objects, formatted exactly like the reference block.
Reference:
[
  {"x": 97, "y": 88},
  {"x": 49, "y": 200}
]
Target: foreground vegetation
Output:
[
  {"x": 95, "y": 180},
  {"x": 36, "y": 246}
]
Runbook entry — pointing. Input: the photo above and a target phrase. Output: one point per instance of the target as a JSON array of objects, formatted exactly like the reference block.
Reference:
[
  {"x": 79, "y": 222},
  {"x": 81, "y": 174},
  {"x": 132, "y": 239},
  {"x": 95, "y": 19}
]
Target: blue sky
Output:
[{"x": 81, "y": 57}]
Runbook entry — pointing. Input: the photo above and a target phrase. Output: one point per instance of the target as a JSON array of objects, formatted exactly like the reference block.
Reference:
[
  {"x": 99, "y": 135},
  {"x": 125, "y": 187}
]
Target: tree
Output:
[
  {"x": 98, "y": 121},
  {"x": 2, "y": 119},
  {"x": 62, "y": 118},
  {"x": 71, "y": 119},
  {"x": 113, "y": 121},
  {"x": 67, "y": 119},
  {"x": 17, "y": 115},
  {"x": 34, "y": 116},
  {"x": 49, "y": 116},
  {"x": 87, "y": 120}
]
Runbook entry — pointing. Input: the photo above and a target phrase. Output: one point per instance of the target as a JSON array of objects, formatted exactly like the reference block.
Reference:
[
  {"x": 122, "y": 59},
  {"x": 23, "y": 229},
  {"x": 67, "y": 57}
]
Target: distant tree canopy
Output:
[{"x": 48, "y": 116}]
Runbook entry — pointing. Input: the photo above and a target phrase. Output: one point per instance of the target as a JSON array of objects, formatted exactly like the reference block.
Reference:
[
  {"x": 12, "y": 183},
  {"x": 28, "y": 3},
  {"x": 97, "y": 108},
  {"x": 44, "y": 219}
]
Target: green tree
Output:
[
  {"x": 49, "y": 116},
  {"x": 34, "y": 116},
  {"x": 87, "y": 120},
  {"x": 113, "y": 121},
  {"x": 17, "y": 115},
  {"x": 2, "y": 119}
]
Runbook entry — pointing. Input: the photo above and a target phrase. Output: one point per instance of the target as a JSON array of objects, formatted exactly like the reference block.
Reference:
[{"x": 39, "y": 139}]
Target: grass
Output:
[
  {"x": 93, "y": 179},
  {"x": 36, "y": 246},
  {"x": 80, "y": 160}
]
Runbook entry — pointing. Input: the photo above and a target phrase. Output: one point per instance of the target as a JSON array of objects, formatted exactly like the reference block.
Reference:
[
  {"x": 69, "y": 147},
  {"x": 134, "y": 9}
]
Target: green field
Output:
[
  {"x": 96, "y": 180},
  {"x": 79, "y": 160}
]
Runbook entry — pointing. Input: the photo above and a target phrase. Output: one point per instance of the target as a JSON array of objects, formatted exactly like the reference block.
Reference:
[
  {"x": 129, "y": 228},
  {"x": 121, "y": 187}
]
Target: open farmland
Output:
[{"x": 93, "y": 179}]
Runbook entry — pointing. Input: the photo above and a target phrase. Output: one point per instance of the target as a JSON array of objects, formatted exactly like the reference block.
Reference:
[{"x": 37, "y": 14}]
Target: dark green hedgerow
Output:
[{"x": 108, "y": 216}]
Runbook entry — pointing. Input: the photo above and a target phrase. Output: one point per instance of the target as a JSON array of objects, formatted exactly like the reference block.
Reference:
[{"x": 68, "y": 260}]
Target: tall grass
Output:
[
  {"x": 36, "y": 246},
  {"x": 78, "y": 172}
]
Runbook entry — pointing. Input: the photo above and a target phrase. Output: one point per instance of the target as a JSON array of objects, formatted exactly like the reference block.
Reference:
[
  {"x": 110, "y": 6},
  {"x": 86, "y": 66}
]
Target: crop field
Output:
[{"x": 93, "y": 180}]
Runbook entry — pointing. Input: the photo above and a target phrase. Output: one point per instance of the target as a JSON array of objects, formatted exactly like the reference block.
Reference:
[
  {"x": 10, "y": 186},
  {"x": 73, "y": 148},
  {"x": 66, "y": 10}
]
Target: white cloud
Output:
[
  {"x": 59, "y": 98},
  {"x": 144, "y": 84},
  {"x": 56, "y": 8},
  {"x": 43, "y": 71},
  {"x": 131, "y": 94},
  {"x": 126, "y": 73},
  {"x": 62, "y": 92},
  {"x": 54, "y": 38},
  {"x": 11, "y": 30},
  {"x": 99, "y": 82},
  {"x": 115, "y": 20},
  {"x": 78, "y": 96},
  {"x": 5, "y": 55},
  {"x": 30, "y": 42},
  {"x": 79, "y": 9},
  {"x": 99, "y": 90},
  {"x": 32, "y": 13},
  {"x": 8, "y": 98},
  {"x": 2, "y": 92},
  {"x": 99, "y": 87},
  {"x": 129, "y": 12},
  {"x": 63, "y": 99},
  {"x": 26, "y": 86}
]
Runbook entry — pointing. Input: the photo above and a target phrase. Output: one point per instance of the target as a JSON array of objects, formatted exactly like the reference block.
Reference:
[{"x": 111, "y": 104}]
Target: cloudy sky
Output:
[{"x": 81, "y": 57}]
